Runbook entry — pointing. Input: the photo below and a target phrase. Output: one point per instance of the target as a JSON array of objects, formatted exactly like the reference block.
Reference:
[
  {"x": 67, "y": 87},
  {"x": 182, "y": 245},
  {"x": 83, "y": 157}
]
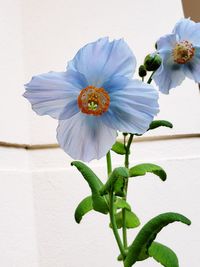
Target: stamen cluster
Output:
[
  {"x": 93, "y": 101},
  {"x": 183, "y": 52}
]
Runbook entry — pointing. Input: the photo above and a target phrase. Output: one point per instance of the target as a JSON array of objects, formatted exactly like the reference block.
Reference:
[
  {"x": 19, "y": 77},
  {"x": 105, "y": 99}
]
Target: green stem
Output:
[
  {"x": 126, "y": 163},
  {"x": 124, "y": 232},
  {"x": 128, "y": 151},
  {"x": 111, "y": 209},
  {"x": 109, "y": 163},
  {"x": 150, "y": 78},
  {"x": 114, "y": 225}
]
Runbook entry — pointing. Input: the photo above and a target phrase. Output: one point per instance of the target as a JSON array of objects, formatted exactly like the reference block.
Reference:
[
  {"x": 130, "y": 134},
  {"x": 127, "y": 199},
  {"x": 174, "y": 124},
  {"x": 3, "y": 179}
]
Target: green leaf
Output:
[
  {"x": 119, "y": 186},
  {"x": 92, "y": 179},
  {"x": 132, "y": 221},
  {"x": 119, "y": 148},
  {"x": 163, "y": 255},
  {"x": 158, "y": 123},
  {"x": 99, "y": 203},
  {"x": 142, "y": 169},
  {"x": 121, "y": 204},
  {"x": 116, "y": 182},
  {"x": 84, "y": 207},
  {"x": 139, "y": 248}
]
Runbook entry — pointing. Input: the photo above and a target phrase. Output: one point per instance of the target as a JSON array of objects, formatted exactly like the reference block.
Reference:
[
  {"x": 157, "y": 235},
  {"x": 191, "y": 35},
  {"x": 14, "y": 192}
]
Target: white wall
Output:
[
  {"x": 38, "y": 224},
  {"x": 39, "y": 189},
  {"x": 38, "y": 36}
]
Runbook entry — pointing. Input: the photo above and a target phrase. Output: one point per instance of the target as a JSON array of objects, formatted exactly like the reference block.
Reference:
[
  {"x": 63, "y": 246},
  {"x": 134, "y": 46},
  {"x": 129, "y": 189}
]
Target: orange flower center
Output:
[
  {"x": 93, "y": 101},
  {"x": 183, "y": 52}
]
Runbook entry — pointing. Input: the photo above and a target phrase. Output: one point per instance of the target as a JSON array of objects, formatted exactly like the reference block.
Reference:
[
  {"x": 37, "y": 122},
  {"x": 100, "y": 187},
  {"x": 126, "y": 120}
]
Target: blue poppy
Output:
[
  {"x": 94, "y": 98},
  {"x": 180, "y": 53}
]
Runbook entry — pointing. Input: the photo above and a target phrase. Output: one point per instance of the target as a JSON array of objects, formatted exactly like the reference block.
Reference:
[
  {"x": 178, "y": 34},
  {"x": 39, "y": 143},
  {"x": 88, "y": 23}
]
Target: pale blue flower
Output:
[
  {"x": 180, "y": 53},
  {"x": 94, "y": 99}
]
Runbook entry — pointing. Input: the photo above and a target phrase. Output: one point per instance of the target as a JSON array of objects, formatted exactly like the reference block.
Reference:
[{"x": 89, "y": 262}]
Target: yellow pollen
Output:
[
  {"x": 93, "y": 101},
  {"x": 183, "y": 52}
]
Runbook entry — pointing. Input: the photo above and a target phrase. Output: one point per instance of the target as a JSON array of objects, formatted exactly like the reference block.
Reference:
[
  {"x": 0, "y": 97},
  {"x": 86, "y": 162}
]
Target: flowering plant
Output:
[{"x": 95, "y": 99}]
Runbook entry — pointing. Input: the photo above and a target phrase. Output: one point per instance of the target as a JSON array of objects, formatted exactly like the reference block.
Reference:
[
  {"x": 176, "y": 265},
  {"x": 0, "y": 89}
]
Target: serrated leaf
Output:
[
  {"x": 121, "y": 204},
  {"x": 119, "y": 148},
  {"x": 160, "y": 123},
  {"x": 116, "y": 182},
  {"x": 163, "y": 255},
  {"x": 84, "y": 207},
  {"x": 139, "y": 248},
  {"x": 132, "y": 221},
  {"x": 142, "y": 169},
  {"x": 99, "y": 203}
]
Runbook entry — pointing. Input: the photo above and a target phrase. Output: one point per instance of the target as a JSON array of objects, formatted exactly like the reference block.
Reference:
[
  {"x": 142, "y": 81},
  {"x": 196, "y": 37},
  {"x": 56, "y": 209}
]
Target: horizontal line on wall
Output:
[{"x": 137, "y": 139}]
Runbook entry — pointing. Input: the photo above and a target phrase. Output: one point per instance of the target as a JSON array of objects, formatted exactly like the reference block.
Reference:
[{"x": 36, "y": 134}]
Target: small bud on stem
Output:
[{"x": 142, "y": 71}]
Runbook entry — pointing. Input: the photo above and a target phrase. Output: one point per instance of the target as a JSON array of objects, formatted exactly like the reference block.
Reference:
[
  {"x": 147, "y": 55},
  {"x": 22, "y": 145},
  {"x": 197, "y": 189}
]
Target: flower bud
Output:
[
  {"x": 142, "y": 71},
  {"x": 152, "y": 62}
]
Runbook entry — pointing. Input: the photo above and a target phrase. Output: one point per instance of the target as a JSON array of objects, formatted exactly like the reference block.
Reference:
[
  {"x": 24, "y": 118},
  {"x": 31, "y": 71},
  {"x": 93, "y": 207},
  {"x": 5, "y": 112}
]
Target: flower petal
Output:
[
  {"x": 192, "y": 68},
  {"x": 70, "y": 110},
  {"x": 169, "y": 74},
  {"x": 76, "y": 79},
  {"x": 100, "y": 60},
  {"x": 49, "y": 93},
  {"x": 116, "y": 83},
  {"x": 166, "y": 43},
  {"x": 85, "y": 137},
  {"x": 132, "y": 109},
  {"x": 188, "y": 30}
]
